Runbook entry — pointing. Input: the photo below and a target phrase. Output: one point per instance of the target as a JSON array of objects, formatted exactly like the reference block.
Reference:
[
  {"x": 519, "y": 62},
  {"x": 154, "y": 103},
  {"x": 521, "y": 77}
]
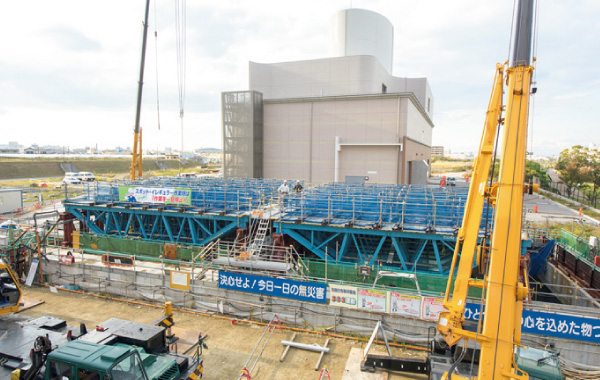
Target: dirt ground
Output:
[{"x": 229, "y": 345}]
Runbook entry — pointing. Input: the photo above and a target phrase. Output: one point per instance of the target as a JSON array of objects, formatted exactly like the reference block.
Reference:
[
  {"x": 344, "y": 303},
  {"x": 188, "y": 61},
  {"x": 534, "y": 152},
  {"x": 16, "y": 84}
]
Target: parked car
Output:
[
  {"x": 82, "y": 176},
  {"x": 451, "y": 181},
  {"x": 71, "y": 181},
  {"x": 86, "y": 176},
  {"x": 187, "y": 175}
]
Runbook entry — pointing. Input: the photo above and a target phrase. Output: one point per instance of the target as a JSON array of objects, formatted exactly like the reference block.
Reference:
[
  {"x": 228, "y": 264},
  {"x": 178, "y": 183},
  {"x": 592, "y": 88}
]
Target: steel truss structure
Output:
[
  {"x": 408, "y": 251},
  {"x": 408, "y": 227},
  {"x": 156, "y": 223}
]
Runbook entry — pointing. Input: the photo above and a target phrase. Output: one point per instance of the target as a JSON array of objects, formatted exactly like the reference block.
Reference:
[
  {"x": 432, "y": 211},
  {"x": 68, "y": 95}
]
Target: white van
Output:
[
  {"x": 187, "y": 175},
  {"x": 81, "y": 176},
  {"x": 71, "y": 179},
  {"x": 86, "y": 176}
]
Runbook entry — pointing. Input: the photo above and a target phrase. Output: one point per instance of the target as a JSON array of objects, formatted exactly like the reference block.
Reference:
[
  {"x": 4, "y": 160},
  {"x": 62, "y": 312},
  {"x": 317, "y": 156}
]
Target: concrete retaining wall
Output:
[
  {"x": 566, "y": 289},
  {"x": 205, "y": 296}
]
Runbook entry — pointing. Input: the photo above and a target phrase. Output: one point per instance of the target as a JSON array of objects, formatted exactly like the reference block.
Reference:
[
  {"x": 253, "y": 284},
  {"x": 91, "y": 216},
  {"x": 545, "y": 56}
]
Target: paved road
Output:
[
  {"x": 550, "y": 211},
  {"x": 547, "y": 209}
]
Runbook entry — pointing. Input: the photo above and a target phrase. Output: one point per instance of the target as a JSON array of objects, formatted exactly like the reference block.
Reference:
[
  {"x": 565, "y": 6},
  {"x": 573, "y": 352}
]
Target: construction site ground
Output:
[{"x": 229, "y": 344}]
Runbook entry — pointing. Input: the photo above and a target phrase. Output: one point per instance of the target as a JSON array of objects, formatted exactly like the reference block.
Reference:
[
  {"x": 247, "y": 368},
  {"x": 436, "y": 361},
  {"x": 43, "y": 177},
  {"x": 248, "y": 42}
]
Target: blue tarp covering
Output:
[{"x": 539, "y": 258}]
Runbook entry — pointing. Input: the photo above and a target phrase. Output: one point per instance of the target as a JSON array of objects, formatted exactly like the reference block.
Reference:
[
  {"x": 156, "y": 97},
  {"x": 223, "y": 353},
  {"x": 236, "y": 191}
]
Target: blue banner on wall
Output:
[
  {"x": 551, "y": 324},
  {"x": 277, "y": 287}
]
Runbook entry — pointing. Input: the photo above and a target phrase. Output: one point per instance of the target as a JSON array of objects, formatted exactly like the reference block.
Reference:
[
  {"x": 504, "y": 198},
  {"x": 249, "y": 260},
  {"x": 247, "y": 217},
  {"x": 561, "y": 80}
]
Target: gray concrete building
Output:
[
  {"x": 345, "y": 118},
  {"x": 437, "y": 150}
]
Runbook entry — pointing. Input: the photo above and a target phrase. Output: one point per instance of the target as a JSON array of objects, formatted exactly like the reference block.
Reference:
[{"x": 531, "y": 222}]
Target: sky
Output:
[{"x": 69, "y": 68}]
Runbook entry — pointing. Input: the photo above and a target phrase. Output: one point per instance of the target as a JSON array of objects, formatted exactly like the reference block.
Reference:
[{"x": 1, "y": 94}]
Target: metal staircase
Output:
[{"x": 259, "y": 239}]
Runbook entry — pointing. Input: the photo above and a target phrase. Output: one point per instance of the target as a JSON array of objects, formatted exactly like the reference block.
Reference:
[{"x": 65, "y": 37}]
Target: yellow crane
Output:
[
  {"x": 10, "y": 292},
  {"x": 504, "y": 284},
  {"x": 136, "y": 154}
]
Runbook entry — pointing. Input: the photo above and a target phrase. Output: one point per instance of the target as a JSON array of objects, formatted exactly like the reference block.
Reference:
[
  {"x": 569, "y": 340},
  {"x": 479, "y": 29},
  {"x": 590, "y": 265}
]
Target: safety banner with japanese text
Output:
[
  {"x": 405, "y": 304},
  {"x": 162, "y": 195},
  {"x": 277, "y": 287},
  {"x": 371, "y": 299},
  {"x": 432, "y": 307},
  {"x": 344, "y": 296},
  {"x": 551, "y": 324}
]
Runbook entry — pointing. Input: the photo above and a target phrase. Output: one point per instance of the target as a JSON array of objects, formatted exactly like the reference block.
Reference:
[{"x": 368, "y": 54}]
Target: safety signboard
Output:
[
  {"x": 278, "y": 287},
  {"x": 551, "y": 324},
  {"x": 432, "y": 307},
  {"x": 374, "y": 300},
  {"x": 405, "y": 304},
  {"x": 163, "y": 195},
  {"x": 344, "y": 296}
]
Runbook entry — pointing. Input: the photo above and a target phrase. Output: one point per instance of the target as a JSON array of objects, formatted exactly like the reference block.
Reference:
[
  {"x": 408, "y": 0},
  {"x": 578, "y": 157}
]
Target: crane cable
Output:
[
  {"x": 156, "y": 65},
  {"x": 180, "y": 38}
]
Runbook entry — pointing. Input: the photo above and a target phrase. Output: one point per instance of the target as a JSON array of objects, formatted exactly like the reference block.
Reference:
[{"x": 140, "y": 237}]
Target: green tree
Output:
[
  {"x": 534, "y": 169},
  {"x": 573, "y": 166},
  {"x": 593, "y": 172}
]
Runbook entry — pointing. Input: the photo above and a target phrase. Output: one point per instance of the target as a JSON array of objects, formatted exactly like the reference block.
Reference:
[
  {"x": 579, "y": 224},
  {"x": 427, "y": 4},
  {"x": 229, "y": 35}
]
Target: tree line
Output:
[{"x": 579, "y": 168}]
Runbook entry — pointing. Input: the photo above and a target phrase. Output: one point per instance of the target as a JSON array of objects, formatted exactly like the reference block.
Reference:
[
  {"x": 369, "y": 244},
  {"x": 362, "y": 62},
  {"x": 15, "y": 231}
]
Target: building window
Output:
[
  {"x": 383, "y": 88},
  {"x": 428, "y": 105}
]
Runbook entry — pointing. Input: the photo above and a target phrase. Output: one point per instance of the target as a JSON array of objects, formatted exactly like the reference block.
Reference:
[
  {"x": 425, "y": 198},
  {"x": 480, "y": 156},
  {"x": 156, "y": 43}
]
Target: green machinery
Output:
[{"x": 115, "y": 350}]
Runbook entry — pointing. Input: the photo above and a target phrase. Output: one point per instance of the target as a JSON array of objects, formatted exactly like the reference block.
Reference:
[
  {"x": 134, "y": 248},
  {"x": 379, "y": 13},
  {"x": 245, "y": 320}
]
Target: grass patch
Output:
[
  {"x": 103, "y": 167},
  {"x": 575, "y": 228},
  {"x": 451, "y": 166}
]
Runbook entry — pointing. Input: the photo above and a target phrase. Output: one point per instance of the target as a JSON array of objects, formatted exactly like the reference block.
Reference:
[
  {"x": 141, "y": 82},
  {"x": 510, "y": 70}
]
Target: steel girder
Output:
[
  {"x": 431, "y": 253},
  {"x": 174, "y": 226}
]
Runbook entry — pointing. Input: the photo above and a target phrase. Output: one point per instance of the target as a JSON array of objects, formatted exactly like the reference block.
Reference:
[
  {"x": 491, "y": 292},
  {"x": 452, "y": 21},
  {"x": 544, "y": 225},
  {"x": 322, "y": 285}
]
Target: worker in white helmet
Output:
[
  {"x": 284, "y": 188},
  {"x": 298, "y": 187}
]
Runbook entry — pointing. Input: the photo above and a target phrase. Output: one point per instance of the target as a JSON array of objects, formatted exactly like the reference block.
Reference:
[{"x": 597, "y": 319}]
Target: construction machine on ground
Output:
[
  {"x": 47, "y": 348},
  {"x": 10, "y": 291}
]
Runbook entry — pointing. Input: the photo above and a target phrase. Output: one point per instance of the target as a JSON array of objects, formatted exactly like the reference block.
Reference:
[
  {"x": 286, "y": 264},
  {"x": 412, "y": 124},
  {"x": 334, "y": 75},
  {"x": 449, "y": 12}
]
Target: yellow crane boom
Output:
[
  {"x": 503, "y": 285},
  {"x": 136, "y": 153}
]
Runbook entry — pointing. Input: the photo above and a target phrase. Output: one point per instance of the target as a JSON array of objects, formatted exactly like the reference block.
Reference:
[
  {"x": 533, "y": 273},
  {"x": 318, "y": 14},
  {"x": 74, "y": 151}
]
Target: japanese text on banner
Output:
[
  {"x": 160, "y": 195},
  {"x": 278, "y": 287},
  {"x": 550, "y": 324}
]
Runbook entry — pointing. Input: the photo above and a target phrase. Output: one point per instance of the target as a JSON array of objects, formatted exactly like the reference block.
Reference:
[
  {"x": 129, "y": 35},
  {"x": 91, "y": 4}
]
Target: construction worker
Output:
[
  {"x": 284, "y": 188},
  {"x": 298, "y": 187}
]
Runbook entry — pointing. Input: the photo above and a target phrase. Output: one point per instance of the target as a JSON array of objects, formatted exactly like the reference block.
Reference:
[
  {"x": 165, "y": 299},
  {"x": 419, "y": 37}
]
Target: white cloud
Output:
[{"x": 69, "y": 69}]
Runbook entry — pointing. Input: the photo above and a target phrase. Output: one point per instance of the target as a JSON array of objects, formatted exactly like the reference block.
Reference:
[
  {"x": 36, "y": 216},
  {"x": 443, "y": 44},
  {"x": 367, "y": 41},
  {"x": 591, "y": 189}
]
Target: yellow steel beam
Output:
[
  {"x": 135, "y": 171},
  {"x": 468, "y": 234},
  {"x": 503, "y": 298}
]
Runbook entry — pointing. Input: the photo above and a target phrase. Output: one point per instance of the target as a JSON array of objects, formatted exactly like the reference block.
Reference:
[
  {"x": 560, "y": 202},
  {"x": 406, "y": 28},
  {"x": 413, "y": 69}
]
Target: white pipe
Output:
[{"x": 303, "y": 346}]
